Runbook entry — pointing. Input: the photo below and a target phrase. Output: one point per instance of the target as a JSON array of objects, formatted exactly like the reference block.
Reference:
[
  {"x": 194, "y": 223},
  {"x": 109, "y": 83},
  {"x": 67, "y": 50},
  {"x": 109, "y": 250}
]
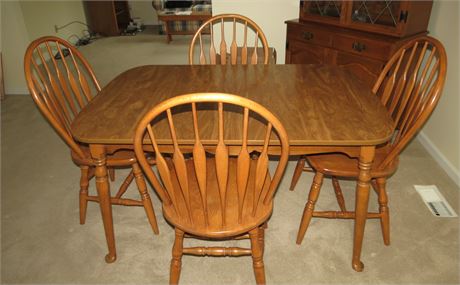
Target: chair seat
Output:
[
  {"x": 340, "y": 165},
  {"x": 214, "y": 227}
]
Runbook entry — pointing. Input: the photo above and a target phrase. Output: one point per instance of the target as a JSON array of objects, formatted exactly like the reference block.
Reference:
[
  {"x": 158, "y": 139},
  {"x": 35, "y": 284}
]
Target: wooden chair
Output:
[
  {"x": 213, "y": 192},
  {"x": 410, "y": 86},
  {"x": 243, "y": 31},
  {"x": 61, "y": 82}
]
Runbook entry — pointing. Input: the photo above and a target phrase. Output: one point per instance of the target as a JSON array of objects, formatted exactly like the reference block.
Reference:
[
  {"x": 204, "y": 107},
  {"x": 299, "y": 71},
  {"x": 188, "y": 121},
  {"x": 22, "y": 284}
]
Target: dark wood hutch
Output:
[{"x": 359, "y": 35}]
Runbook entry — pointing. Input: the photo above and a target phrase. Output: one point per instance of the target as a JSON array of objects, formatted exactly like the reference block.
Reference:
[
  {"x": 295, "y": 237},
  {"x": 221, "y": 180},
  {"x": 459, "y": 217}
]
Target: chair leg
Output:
[
  {"x": 262, "y": 238},
  {"x": 338, "y": 194},
  {"x": 84, "y": 182},
  {"x": 310, "y": 206},
  {"x": 257, "y": 256},
  {"x": 111, "y": 174},
  {"x": 176, "y": 261},
  {"x": 384, "y": 210},
  {"x": 297, "y": 172},
  {"x": 124, "y": 186},
  {"x": 148, "y": 207}
]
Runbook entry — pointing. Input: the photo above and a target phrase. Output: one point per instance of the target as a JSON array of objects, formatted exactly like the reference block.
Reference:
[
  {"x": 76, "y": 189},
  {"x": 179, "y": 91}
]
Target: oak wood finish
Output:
[
  {"x": 233, "y": 28},
  {"x": 340, "y": 110},
  {"x": 323, "y": 109},
  {"x": 215, "y": 194},
  {"x": 409, "y": 87},
  {"x": 62, "y": 85}
]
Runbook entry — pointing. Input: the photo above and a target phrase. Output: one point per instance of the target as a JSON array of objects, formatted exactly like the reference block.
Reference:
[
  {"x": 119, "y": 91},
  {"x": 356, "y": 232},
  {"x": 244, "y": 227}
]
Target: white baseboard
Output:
[
  {"x": 17, "y": 91},
  {"x": 440, "y": 158}
]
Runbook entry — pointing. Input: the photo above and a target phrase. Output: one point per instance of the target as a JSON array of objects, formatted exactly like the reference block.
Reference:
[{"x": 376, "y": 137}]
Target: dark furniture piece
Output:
[
  {"x": 108, "y": 18},
  {"x": 361, "y": 35}
]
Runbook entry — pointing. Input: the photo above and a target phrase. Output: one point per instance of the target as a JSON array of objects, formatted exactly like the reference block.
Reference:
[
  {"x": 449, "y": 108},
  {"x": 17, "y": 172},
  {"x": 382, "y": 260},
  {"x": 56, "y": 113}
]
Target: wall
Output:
[
  {"x": 1, "y": 25},
  {"x": 441, "y": 134},
  {"x": 58, "y": 13},
  {"x": 24, "y": 21},
  {"x": 268, "y": 14},
  {"x": 144, "y": 10},
  {"x": 14, "y": 43}
]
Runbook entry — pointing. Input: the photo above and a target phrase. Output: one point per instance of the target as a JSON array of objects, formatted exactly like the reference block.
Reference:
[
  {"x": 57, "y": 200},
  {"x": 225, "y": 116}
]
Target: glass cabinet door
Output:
[
  {"x": 380, "y": 13},
  {"x": 321, "y": 10},
  {"x": 398, "y": 18}
]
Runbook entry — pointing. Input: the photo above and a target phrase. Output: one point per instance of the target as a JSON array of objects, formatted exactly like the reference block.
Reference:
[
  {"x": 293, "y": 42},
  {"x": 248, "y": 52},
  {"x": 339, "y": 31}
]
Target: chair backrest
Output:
[
  {"x": 242, "y": 30},
  {"x": 410, "y": 86},
  {"x": 212, "y": 106},
  {"x": 61, "y": 82}
]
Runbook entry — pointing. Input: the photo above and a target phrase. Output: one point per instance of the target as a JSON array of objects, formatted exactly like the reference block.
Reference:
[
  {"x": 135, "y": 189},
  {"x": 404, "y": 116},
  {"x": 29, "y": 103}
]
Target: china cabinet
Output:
[{"x": 360, "y": 35}]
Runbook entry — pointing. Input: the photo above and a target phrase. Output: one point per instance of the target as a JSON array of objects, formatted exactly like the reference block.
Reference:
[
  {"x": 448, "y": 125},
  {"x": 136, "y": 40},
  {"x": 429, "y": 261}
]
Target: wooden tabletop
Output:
[{"x": 317, "y": 104}]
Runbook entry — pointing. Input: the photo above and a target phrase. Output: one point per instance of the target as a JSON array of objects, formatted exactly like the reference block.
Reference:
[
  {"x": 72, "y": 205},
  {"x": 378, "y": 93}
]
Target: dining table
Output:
[{"x": 323, "y": 108}]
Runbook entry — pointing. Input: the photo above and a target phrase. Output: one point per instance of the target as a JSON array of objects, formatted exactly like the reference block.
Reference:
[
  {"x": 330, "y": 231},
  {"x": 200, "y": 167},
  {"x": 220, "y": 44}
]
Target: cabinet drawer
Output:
[
  {"x": 308, "y": 34},
  {"x": 304, "y": 53},
  {"x": 359, "y": 46}
]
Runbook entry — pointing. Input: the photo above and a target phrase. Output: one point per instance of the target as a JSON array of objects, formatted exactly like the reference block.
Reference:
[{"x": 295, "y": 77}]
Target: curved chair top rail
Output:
[
  {"x": 180, "y": 173},
  {"x": 410, "y": 86},
  {"x": 61, "y": 82},
  {"x": 247, "y": 54}
]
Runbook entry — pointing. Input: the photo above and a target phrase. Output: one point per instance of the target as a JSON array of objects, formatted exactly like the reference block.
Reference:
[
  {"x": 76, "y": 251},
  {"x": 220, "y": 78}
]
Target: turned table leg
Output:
[
  {"x": 103, "y": 190},
  {"x": 362, "y": 199},
  {"x": 168, "y": 34}
]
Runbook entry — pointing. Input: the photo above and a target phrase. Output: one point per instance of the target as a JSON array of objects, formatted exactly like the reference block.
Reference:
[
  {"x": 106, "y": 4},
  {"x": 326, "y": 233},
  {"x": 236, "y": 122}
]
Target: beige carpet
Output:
[{"x": 43, "y": 243}]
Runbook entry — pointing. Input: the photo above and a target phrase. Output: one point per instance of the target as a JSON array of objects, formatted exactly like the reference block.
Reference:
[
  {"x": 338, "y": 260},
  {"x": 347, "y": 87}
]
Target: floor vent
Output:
[{"x": 434, "y": 200}]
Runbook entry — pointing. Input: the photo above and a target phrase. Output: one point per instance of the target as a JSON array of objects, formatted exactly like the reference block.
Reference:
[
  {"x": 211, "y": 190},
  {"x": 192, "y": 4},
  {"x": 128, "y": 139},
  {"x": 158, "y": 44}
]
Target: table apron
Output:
[{"x": 351, "y": 151}]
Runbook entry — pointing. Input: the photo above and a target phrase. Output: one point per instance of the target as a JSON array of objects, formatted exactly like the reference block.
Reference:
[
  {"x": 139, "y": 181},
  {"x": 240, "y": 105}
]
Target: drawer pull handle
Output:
[
  {"x": 359, "y": 47},
  {"x": 307, "y": 36}
]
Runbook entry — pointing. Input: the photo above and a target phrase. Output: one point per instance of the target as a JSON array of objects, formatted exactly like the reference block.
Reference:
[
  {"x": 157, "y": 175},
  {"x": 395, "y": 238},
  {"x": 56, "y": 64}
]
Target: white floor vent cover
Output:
[{"x": 434, "y": 200}]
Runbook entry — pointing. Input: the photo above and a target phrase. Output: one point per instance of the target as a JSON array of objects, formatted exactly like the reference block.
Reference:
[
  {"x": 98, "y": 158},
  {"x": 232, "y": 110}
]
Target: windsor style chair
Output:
[
  {"x": 214, "y": 189},
  {"x": 409, "y": 86},
  {"x": 244, "y": 31},
  {"x": 61, "y": 82}
]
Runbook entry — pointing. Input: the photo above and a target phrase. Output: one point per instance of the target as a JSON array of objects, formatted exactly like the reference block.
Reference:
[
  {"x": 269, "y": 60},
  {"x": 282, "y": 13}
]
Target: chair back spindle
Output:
[
  {"x": 242, "y": 172},
  {"x": 222, "y": 162},
  {"x": 223, "y": 44},
  {"x": 199, "y": 159}
]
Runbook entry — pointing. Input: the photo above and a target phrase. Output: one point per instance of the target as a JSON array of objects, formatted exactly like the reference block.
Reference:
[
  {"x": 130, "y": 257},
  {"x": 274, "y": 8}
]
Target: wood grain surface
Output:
[{"x": 319, "y": 105}]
